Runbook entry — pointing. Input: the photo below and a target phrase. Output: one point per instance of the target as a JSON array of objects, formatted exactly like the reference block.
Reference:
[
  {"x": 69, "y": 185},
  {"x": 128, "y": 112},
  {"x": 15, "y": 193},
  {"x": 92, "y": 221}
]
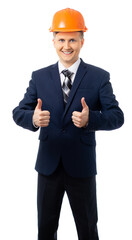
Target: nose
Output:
[{"x": 67, "y": 45}]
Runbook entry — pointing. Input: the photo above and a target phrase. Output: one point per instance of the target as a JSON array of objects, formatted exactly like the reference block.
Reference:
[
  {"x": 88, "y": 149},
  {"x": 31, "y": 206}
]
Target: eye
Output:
[
  {"x": 72, "y": 40},
  {"x": 61, "y": 40}
]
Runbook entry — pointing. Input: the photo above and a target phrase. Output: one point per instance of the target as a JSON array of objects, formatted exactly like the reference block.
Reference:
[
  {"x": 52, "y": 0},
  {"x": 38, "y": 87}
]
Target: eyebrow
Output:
[{"x": 68, "y": 39}]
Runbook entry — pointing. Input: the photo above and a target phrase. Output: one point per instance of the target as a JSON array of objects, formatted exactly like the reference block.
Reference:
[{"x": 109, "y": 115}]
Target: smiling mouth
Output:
[{"x": 67, "y": 52}]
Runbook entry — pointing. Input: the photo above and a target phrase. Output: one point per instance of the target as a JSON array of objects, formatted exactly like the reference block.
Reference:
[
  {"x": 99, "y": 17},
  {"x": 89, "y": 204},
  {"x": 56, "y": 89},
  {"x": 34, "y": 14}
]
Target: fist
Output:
[
  {"x": 80, "y": 119},
  {"x": 41, "y": 118}
]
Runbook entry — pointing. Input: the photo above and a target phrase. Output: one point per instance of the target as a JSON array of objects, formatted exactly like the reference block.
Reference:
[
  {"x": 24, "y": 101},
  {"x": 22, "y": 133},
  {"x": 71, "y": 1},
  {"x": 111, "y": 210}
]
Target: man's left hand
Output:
[{"x": 80, "y": 119}]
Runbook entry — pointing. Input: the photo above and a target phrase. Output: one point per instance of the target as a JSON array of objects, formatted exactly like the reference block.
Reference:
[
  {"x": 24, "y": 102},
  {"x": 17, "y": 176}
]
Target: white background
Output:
[{"x": 26, "y": 45}]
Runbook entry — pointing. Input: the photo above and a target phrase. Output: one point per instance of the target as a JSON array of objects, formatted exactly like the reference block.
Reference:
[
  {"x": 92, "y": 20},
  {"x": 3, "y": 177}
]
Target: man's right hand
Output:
[{"x": 41, "y": 118}]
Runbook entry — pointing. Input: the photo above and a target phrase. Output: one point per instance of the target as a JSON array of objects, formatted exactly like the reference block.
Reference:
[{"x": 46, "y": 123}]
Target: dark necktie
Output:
[{"x": 67, "y": 84}]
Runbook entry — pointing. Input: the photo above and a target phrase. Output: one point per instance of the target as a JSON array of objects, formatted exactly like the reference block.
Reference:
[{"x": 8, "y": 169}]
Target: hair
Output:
[{"x": 81, "y": 34}]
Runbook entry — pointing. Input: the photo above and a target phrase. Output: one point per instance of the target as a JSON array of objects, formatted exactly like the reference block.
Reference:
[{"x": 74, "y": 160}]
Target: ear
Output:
[
  {"x": 53, "y": 40},
  {"x": 82, "y": 42}
]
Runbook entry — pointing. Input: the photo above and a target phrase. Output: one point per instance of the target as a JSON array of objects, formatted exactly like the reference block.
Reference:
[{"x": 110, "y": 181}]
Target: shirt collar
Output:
[{"x": 73, "y": 68}]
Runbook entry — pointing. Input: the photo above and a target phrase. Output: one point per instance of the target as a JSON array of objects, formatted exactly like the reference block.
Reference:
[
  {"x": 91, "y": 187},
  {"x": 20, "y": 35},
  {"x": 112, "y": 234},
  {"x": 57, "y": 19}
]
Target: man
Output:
[{"x": 68, "y": 101}]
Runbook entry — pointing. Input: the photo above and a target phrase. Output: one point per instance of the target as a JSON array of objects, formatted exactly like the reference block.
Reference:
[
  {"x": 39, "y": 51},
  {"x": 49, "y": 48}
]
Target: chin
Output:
[{"x": 68, "y": 59}]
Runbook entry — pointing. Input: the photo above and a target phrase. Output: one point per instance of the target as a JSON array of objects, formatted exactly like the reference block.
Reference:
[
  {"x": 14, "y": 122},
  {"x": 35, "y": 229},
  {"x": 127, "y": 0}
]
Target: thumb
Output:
[
  {"x": 84, "y": 105},
  {"x": 39, "y": 105}
]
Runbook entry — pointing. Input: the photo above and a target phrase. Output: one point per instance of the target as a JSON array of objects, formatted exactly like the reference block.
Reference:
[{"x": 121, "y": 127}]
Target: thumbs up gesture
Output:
[
  {"x": 80, "y": 119},
  {"x": 41, "y": 118}
]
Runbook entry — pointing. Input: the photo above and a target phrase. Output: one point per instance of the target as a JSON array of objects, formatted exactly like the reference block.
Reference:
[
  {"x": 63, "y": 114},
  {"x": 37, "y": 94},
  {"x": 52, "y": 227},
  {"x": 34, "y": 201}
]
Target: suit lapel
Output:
[
  {"x": 57, "y": 85},
  {"x": 78, "y": 78},
  {"x": 55, "y": 76}
]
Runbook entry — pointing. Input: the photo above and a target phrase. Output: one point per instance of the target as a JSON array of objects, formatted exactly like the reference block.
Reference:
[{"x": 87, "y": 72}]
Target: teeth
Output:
[{"x": 67, "y": 52}]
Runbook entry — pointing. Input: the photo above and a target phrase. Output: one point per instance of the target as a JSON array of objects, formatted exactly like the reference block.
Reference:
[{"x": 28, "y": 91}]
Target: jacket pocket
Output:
[{"x": 88, "y": 140}]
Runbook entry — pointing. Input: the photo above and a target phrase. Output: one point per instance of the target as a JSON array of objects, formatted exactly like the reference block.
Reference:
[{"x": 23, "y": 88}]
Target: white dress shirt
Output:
[{"x": 73, "y": 68}]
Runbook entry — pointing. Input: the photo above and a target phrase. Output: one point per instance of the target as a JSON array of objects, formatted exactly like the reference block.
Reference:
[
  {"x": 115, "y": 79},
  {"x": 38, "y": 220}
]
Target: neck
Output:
[{"x": 67, "y": 64}]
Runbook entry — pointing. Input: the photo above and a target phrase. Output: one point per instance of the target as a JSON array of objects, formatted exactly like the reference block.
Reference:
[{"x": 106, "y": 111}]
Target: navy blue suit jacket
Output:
[{"x": 62, "y": 139}]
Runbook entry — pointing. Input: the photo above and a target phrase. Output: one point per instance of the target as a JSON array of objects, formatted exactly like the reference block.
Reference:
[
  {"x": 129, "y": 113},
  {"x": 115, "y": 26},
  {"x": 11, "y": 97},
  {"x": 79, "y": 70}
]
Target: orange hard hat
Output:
[{"x": 68, "y": 20}]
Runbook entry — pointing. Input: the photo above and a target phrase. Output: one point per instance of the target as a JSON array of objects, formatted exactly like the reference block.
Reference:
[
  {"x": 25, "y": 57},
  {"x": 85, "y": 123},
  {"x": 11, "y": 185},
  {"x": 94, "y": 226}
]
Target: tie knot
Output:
[{"x": 67, "y": 73}]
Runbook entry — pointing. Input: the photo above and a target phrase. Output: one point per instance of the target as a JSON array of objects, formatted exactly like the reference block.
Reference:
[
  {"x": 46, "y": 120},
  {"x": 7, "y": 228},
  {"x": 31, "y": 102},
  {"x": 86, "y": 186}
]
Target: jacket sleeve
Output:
[
  {"x": 110, "y": 116},
  {"x": 23, "y": 113}
]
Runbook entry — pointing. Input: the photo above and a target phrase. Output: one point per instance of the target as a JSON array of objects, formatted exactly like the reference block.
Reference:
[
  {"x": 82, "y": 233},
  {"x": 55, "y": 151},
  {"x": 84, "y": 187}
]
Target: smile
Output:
[{"x": 67, "y": 53}]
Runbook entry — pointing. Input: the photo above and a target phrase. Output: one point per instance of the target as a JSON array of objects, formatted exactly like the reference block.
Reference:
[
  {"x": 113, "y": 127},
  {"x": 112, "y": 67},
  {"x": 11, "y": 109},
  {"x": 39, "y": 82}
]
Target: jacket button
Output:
[{"x": 63, "y": 130}]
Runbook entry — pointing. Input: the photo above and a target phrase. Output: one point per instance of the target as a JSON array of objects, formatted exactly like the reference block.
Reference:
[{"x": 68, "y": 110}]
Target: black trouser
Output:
[{"x": 82, "y": 197}]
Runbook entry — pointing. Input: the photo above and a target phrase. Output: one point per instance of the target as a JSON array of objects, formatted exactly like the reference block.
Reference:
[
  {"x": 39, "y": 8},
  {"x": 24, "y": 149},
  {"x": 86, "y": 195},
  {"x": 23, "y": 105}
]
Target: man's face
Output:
[{"x": 68, "y": 46}]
